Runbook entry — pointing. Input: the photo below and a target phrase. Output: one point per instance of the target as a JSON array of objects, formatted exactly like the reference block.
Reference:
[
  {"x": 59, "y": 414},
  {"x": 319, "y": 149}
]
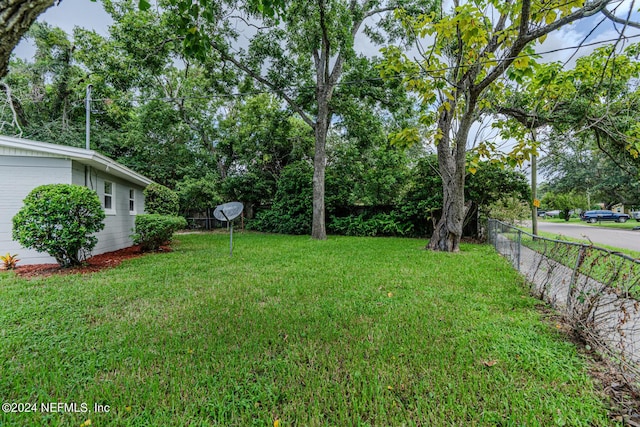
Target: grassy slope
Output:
[
  {"x": 629, "y": 225},
  {"x": 350, "y": 331},
  {"x": 555, "y": 236}
]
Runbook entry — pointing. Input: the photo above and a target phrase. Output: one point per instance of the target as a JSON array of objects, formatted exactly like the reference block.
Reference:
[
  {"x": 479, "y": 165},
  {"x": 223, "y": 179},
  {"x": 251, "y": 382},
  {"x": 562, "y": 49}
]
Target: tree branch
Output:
[
  {"x": 323, "y": 74},
  {"x": 527, "y": 119},
  {"x": 376, "y": 12},
  {"x": 16, "y": 16},
  {"x": 617, "y": 20},
  {"x": 525, "y": 37},
  {"x": 294, "y": 105},
  {"x": 584, "y": 12},
  {"x": 601, "y": 148},
  {"x": 525, "y": 14},
  {"x": 249, "y": 24},
  {"x": 15, "y": 122},
  {"x": 161, "y": 45}
]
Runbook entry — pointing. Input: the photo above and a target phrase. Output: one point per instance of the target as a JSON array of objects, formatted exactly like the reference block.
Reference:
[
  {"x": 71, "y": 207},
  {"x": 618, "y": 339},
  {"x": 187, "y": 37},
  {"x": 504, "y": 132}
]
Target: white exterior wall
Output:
[
  {"x": 19, "y": 175},
  {"x": 22, "y": 173},
  {"x": 119, "y": 222}
]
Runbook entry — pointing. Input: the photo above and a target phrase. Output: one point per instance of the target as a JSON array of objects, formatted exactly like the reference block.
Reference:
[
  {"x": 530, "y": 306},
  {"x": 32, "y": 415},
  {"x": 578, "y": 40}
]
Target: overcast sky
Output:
[{"x": 68, "y": 15}]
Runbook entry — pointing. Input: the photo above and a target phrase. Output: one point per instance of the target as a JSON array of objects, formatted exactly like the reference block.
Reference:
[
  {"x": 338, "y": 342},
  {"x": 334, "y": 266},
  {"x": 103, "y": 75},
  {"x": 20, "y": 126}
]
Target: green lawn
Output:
[{"x": 344, "y": 332}]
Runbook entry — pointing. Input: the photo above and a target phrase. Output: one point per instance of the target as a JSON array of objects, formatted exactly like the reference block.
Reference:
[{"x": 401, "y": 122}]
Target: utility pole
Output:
[
  {"x": 534, "y": 188},
  {"x": 534, "y": 195},
  {"x": 87, "y": 107}
]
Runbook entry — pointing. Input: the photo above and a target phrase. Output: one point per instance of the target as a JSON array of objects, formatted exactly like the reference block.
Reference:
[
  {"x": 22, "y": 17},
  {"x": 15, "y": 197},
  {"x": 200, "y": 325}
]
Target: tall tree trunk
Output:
[
  {"x": 318, "y": 229},
  {"x": 467, "y": 83},
  {"x": 16, "y": 16},
  {"x": 452, "y": 163},
  {"x": 448, "y": 231}
]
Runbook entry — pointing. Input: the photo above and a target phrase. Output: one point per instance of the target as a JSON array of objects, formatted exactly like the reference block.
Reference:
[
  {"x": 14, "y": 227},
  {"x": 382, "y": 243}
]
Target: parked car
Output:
[
  {"x": 636, "y": 215},
  {"x": 552, "y": 213},
  {"x": 603, "y": 215}
]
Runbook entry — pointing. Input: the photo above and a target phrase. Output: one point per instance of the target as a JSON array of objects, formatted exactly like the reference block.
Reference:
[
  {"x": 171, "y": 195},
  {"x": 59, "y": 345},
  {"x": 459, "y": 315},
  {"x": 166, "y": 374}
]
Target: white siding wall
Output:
[
  {"x": 19, "y": 175},
  {"x": 119, "y": 224},
  {"x": 78, "y": 174}
]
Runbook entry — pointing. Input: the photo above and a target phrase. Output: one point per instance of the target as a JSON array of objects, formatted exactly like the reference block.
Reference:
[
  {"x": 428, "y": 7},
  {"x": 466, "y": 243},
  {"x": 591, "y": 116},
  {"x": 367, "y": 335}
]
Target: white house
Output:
[{"x": 26, "y": 164}]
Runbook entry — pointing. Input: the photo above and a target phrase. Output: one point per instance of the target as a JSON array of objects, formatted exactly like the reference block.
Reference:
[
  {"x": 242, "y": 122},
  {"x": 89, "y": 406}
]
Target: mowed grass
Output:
[{"x": 343, "y": 332}]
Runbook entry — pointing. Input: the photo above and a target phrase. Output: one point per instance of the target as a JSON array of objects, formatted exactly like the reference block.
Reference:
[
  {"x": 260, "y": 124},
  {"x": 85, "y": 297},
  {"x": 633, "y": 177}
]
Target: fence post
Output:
[
  {"x": 519, "y": 246},
  {"x": 574, "y": 278},
  {"x": 495, "y": 234},
  {"x": 490, "y": 231}
]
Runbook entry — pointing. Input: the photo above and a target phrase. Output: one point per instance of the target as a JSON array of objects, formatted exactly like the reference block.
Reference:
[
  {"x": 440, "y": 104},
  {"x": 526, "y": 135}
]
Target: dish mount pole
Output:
[
  {"x": 230, "y": 222},
  {"x": 228, "y": 212}
]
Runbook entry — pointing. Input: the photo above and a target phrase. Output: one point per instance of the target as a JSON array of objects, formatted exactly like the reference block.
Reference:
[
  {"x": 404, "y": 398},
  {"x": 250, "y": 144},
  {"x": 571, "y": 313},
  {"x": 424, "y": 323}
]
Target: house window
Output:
[
  {"x": 108, "y": 197},
  {"x": 132, "y": 201}
]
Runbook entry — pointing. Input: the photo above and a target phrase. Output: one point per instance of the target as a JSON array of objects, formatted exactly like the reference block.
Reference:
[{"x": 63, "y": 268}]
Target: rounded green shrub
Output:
[
  {"x": 161, "y": 200},
  {"x": 60, "y": 219},
  {"x": 153, "y": 230}
]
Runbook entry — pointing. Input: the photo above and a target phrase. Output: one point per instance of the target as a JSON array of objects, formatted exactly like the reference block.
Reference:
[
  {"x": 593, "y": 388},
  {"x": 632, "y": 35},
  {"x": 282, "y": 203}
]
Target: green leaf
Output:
[{"x": 144, "y": 5}]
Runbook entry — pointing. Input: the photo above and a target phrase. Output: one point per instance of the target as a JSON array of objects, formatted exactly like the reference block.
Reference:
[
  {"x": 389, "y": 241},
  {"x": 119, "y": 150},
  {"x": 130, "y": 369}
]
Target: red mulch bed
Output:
[{"x": 93, "y": 264}]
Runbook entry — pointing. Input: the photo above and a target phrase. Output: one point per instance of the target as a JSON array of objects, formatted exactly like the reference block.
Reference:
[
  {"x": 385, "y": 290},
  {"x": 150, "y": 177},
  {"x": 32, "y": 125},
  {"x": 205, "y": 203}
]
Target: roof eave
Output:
[{"x": 88, "y": 157}]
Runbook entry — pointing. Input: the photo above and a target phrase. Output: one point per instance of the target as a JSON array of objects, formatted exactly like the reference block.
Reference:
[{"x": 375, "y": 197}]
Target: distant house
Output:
[
  {"x": 25, "y": 165},
  {"x": 619, "y": 208}
]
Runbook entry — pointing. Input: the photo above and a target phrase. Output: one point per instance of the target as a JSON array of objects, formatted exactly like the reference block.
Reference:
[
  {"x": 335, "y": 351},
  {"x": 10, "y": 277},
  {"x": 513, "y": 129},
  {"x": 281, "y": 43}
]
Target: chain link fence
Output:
[{"x": 597, "y": 290}]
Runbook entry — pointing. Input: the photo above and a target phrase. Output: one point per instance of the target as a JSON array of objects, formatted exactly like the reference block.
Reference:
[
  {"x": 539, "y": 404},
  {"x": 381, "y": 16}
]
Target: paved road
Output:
[{"x": 627, "y": 239}]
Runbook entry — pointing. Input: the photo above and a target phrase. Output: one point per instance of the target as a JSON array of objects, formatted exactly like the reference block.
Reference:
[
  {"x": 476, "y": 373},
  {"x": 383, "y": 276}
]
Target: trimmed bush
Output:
[
  {"x": 60, "y": 219},
  {"x": 153, "y": 230},
  {"x": 161, "y": 200}
]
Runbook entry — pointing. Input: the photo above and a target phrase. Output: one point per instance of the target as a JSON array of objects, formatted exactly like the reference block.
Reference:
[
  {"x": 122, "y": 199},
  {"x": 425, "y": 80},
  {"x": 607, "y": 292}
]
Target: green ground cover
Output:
[
  {"x": 555, "y": 236},
  {"x": 606, "y": 266},
  {"x": 344, "y": 332}
]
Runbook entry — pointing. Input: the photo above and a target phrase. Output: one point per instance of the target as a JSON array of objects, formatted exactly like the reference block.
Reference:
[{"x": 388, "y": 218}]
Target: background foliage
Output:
[{"x": 213, "y": 134}]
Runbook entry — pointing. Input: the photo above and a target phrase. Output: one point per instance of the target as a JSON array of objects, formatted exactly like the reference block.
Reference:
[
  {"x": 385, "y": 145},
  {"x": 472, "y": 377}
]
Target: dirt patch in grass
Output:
[
  {"x": 93, "y": 264},
  {"x": 624, "y": 398}
]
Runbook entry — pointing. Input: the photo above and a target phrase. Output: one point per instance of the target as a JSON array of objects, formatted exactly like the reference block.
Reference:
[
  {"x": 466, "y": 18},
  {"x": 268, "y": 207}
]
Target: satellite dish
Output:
[{"x": 228, "y": 211}]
